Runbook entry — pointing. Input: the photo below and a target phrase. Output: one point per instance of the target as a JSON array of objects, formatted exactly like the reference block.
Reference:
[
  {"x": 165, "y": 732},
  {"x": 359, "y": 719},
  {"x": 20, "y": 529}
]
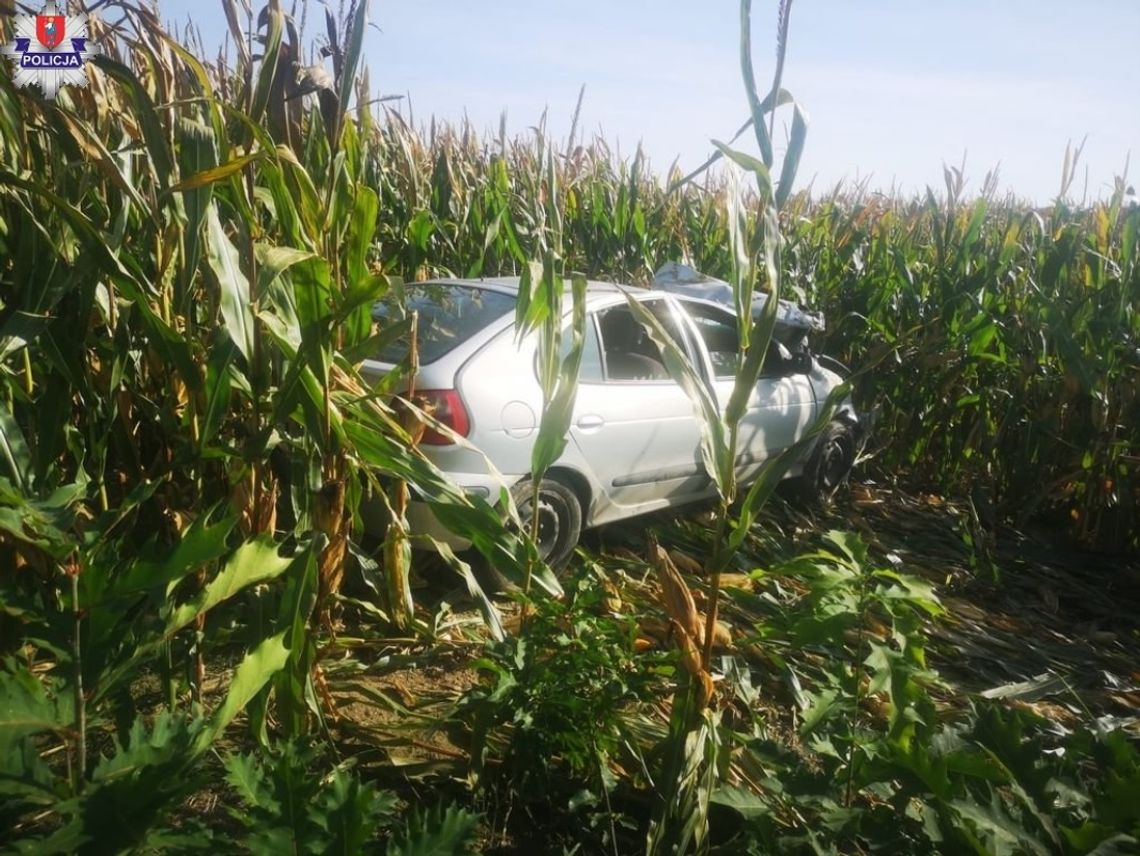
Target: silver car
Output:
[{"x": 634, "y": 444}]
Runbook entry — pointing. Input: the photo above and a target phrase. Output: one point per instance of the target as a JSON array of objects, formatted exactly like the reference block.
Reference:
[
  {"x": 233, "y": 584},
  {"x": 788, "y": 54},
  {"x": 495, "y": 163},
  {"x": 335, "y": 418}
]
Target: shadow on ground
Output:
[{"x": 1029, "y": 618}]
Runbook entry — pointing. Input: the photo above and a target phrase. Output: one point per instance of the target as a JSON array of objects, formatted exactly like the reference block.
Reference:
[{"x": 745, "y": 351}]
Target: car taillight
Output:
[{"x": 450, "y": 411}]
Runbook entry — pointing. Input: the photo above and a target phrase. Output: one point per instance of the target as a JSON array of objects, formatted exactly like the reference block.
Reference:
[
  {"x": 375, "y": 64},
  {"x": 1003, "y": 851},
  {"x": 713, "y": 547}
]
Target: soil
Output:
[{"x": 1030, "y": 620}]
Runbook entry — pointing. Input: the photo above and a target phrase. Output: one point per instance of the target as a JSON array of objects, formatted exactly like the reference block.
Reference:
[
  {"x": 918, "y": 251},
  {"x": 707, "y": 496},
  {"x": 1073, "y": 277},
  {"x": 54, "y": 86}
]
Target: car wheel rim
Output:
[
  {"x": 834, "y": 463},
  {"x": 549, "y": 524}
]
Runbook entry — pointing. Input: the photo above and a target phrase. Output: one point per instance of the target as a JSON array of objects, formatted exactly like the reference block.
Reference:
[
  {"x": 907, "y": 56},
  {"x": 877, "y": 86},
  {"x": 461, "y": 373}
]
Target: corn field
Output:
[
  {"x": 1019, "y": 324},
  {"x": 189, "y": 254}
]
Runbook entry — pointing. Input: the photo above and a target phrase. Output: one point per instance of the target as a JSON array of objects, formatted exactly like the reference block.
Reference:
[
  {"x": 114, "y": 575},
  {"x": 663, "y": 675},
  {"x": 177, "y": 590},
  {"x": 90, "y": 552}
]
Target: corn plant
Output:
[
  {"x": 187, "y": 287},
  {"x": 189, "y": 252},
  {"x": 681, "y": 820}
]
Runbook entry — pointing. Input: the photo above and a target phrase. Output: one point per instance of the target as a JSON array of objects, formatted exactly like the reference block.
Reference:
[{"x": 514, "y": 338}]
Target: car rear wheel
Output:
[
  {"x": 559, "y": 518},
  {"x": 559, "y": 526},
  {"x": 830, "y": 464}
]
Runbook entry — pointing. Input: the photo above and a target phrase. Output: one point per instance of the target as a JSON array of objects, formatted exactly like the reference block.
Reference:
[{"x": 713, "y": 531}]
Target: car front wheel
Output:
[{"x": 830, "y": 463}]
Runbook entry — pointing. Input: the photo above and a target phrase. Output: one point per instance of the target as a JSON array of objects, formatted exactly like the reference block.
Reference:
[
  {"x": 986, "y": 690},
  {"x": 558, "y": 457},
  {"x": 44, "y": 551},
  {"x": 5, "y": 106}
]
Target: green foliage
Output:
[
  {"x": 551, "y": 708},
  {"x": 129, "y": 791},
  {"x": 1020, "y": 327},
  {"x": 292, "y": 802},
  {"x": 181, "y": 286},
  {"x": 877, "y": 764},
  {"x": 287, "y": 805},
  {"x": 998, "y": 782},
  {"x": 440, "y": 829},
  {"x": 881, "y": 610},
  {"x": 187, "y": 264}
]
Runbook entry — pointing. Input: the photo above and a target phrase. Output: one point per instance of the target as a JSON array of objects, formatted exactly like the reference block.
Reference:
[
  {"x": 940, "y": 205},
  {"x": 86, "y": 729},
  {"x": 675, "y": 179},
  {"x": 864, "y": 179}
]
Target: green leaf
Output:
[
  {"x": 995, "y": 825},
  {"x": 486, "y": 606},
  {"x": 254, "y": 561},
  {"x": 94, "y": 242},
  {"x": 773, "y": 470},
  {"x": 1130, "y": 238},
  {"x": 770, "y": 102},
  {"x": 439, "y": 830},
  {"x": 224, "y": 262},
  {"x": 820, "y": 706},
  {"x": 92, "y": 146},
  {"x": 218, "y": 387},
  {"x": 197, "y": 153},
  {"x": 556, "y": 415},
  {"x": 293, "y": 684},
  {"x": 15, "y": 449},
  {"x": 131, "y": 789},
  {"x": 744, "y": 802},
  {"x": 750, "y": 164},
  {"x": 352, "y": 54},
  {"x": 274, "y": 261},
  {"x": 792, "y": 156},
  {"x": 312, "y": 295},
  {"x": 361, "y": 233},
  {"x": 247, "y": 776},
  {"x": 26, "y": 708},
  {"x": 251, "y": 676},
  {"x": 19, "y": 329},
  {"x": 271, "y": 55},
  {"x": 373, "y": 346},
  {"x": 201, "y": 544},
  {"x": 714, "y": 444},
  {"x": 755, "y": 105}
]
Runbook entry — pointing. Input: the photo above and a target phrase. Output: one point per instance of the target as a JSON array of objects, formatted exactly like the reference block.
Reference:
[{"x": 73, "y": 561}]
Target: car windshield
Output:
[{"x": 449, "y": 315}]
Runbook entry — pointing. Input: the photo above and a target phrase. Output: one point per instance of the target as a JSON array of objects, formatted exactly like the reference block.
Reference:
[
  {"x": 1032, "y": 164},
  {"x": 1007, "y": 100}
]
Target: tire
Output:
[
  {"x": 560, "y": 511},
  {"x": 830, "y": 463},
  {"x": 559, "y": 518},
  {"x": 560, "y": 521}
]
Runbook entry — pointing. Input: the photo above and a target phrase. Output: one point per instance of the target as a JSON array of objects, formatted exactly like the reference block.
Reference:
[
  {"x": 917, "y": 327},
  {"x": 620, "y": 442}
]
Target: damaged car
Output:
[{"x": 634, "y": 443}]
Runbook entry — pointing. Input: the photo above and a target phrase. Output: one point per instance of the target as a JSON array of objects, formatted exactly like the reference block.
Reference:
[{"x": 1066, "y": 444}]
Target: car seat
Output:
[{"x": 626, "y": 343}]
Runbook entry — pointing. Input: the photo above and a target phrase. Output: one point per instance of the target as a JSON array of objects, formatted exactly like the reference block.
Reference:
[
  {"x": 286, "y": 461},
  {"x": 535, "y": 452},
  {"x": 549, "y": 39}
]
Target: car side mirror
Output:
[{"x": 801, "y": 362}]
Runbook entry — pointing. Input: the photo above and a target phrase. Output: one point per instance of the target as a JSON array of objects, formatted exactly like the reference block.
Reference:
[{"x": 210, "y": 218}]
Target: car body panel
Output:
[{"x": 634, "y": 443}]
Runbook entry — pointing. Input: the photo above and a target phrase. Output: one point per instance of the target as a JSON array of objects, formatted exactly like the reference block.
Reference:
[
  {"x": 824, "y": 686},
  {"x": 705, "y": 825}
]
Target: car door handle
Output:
[{"x": 591, "y": 422}]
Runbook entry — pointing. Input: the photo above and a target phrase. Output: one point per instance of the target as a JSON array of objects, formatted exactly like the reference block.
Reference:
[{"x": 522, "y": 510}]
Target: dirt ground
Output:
[{"x": 1028, "y": 619}]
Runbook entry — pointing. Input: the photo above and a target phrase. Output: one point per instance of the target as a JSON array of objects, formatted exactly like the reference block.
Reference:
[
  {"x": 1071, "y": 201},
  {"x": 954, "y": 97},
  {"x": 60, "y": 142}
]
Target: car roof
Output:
[{"x": 510, "y": 284}]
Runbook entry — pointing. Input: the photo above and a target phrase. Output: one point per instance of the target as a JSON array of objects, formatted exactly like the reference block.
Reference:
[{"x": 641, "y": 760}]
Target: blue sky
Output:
[{"x": 893, "y": 89}]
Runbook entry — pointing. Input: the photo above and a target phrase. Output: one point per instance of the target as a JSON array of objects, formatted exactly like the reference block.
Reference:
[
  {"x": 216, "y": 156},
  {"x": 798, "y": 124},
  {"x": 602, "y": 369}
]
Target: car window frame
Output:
[
  {"x": 710, "y": 369},
  {"x": 680, "y": 322},
  {"x": 567, "y": 332}
]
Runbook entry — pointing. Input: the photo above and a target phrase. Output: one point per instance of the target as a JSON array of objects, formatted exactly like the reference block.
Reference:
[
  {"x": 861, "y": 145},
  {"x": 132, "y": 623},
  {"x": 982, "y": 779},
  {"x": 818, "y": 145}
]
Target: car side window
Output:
[
  {"x": 590, "y": 370},
  {"x": 718, "y": 331},
  {"x": 629, "y": 353}
]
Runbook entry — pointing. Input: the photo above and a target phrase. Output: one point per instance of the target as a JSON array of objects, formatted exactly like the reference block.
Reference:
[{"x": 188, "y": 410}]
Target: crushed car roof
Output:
[
  {"x": 681, "y": 279},
  {"x": 511, "y": 283}
]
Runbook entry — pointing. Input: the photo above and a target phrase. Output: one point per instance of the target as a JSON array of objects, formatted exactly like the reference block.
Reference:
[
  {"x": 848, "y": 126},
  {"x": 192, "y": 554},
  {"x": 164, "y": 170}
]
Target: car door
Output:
[
  {"x": 782, "y": 404},
  {"x": 633, "y": 424}
]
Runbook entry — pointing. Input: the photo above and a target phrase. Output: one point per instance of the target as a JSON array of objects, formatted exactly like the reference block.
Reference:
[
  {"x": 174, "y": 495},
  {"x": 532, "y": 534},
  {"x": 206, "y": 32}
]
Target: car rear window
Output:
[{"x": 449, "y": 315}]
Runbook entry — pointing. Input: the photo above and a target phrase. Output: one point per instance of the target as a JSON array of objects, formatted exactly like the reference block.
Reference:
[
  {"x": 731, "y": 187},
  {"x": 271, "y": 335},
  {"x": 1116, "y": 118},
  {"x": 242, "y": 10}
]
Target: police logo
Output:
[
  {"x": 50, "y": 50},
  {"x": 49, "y": 29}
]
